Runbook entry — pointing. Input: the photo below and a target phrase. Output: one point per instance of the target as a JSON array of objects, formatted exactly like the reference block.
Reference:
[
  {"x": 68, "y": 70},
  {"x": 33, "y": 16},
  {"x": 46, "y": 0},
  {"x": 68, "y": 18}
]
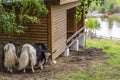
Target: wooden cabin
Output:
[{"x": 58, "y": 29}]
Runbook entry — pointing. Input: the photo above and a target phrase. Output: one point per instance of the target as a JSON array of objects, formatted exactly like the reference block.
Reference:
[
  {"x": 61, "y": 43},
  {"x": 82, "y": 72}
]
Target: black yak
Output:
[{"x": 43, "y": 53}]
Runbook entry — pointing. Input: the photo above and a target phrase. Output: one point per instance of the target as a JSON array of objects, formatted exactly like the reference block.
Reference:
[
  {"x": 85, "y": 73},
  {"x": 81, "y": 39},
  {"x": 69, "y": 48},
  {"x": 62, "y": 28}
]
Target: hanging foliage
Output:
[
  {"x": 20, "y": 10},
  {"x": 83, "y": 9}
]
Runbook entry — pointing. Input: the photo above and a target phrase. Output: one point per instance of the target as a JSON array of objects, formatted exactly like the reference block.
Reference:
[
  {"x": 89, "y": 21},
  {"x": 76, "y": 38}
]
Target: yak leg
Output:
[
  {"x": 32, "y": 67},
  {"x": 11, "y": 70},
  {"x": 24, "y": 70},
  {"x": 8, "y": 69},
  {"x": 41, "y": 64}
]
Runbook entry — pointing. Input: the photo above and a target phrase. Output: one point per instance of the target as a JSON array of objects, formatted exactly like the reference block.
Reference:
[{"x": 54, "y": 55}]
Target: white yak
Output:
[
  {"x": 28, "y": 55},
  {"x": 9, "y": 56}
]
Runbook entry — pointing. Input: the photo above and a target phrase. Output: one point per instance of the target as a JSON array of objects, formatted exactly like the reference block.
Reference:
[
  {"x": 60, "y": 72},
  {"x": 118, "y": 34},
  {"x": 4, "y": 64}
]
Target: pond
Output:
[{"x": 108, "y": 28}]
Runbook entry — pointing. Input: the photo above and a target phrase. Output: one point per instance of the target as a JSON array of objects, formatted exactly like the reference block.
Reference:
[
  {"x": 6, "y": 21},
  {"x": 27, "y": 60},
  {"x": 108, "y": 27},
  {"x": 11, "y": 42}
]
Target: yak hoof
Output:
[
  {"x": 33, "y": 71},
  {"x": 24, "y": 70},
  {"x": 11, "y": 70}
]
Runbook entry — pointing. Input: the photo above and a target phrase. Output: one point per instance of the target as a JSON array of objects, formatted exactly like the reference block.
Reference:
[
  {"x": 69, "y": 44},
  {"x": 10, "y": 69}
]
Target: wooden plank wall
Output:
[
  {"x": 59, "y": 29},
  {"x": 33, "y": 33}
]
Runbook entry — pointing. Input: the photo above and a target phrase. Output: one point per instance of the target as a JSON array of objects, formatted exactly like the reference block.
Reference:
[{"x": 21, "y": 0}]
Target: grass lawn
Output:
[
  {"x": 100, "y": 69},
  {"x": 111, "y": 67}
]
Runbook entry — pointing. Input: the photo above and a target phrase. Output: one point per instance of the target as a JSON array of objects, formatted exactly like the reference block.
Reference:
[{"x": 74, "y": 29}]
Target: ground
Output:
[{"x": 77, "y": 61}]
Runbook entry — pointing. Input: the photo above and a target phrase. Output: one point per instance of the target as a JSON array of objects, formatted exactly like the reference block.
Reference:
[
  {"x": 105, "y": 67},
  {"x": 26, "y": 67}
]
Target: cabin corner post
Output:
[{"x": 50, "y": 29}]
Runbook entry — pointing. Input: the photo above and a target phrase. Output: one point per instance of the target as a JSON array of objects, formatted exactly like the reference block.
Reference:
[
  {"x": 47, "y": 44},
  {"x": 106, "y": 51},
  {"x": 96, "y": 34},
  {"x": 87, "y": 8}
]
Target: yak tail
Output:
[
  {"x": 24, "y": 58},
  {"x": 10, "y": 55},
  {"x": 33, "y": 57}
]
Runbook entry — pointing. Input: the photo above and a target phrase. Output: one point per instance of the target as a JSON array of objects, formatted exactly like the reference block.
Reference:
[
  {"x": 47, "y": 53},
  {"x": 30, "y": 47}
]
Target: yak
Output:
[
  {"x": 43, "y": 54},
  {"x": 9, "y": 56},
  {"x": 27, "y": 56}
]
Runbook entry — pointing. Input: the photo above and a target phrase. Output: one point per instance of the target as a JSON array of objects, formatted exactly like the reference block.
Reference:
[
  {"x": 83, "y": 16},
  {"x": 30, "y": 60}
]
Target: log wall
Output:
[
  {"x": 33, "y": 33},
  {"x": 59, "y": 29}
]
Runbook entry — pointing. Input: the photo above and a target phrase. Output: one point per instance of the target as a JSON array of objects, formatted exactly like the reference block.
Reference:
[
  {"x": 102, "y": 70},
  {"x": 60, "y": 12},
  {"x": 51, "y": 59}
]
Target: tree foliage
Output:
[
  {"x": 85, "y": 4},
  {"x": 20, "y": 10},
  {"x": 90, "y": 24}
]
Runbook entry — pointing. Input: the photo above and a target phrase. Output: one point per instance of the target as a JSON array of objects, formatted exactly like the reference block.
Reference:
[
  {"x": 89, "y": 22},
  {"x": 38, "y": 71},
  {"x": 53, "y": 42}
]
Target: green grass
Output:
[
  {"x": 112, "y": 64},
  {"x": 109, "y": 46},
  {"x": 106, "y": 69}
]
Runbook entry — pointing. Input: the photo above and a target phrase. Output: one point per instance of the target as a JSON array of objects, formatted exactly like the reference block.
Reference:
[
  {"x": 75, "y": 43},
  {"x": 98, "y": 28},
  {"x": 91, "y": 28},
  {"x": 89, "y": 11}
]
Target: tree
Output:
[
  {"x": 26, "y": 11},
  {"x": 91, "y": 26},
  {"x": 83, "y": 9}
]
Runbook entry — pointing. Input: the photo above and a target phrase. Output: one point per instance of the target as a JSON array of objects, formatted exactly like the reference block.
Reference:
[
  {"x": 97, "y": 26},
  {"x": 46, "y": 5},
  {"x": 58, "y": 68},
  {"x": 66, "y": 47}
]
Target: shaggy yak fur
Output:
[
  {"x": 42, "y": 48},
  {"x": 37, "y": 53},
  {"x": 27, "y": 56},
  {"x": 9, "y": 56},
  {"x": 43, "y": 54},
  {"x": 40, "y": 56}
]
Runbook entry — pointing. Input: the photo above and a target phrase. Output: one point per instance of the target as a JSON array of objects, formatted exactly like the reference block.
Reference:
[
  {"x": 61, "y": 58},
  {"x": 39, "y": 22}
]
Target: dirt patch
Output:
[{"x": 82, "y": 58}]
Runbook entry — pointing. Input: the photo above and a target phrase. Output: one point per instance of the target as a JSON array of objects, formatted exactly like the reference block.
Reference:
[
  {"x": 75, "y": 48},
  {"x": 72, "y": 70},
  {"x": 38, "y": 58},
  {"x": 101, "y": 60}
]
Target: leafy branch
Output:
[
  {"x": 19, "y": 10},
  {"x": 83, "y": 9}
]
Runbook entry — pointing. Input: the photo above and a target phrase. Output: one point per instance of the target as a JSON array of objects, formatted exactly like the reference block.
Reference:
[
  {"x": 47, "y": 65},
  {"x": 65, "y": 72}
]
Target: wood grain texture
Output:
[{"x": 33, "y": 33}]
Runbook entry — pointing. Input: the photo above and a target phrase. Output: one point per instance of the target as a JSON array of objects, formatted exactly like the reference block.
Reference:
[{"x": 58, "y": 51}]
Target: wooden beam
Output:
[
  {"x": 75, "y": 34},
  {"x": 72, "y": 43},
  {"x": 49, "y": 28},
  {"x": 67, "y": 1}
]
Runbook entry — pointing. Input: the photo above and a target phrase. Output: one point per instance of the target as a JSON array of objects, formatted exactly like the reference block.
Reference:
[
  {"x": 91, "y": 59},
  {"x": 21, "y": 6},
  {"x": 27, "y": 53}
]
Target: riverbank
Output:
[
  {"x": 109, "y": 28},
  {"x": 115, "y": 17}
]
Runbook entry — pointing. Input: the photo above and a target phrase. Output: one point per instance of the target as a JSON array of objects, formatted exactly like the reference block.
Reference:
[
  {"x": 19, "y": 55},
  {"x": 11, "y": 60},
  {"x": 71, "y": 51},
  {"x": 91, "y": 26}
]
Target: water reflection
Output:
[{"x": 108, "y": 28}]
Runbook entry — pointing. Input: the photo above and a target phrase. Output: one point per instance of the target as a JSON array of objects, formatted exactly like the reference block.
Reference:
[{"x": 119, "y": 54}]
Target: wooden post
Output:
[{"x": 49, "y": 28}]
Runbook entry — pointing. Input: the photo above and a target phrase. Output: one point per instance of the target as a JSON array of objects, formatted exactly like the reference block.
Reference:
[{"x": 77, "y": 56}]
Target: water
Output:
[{"x": 108, "y": 28}]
